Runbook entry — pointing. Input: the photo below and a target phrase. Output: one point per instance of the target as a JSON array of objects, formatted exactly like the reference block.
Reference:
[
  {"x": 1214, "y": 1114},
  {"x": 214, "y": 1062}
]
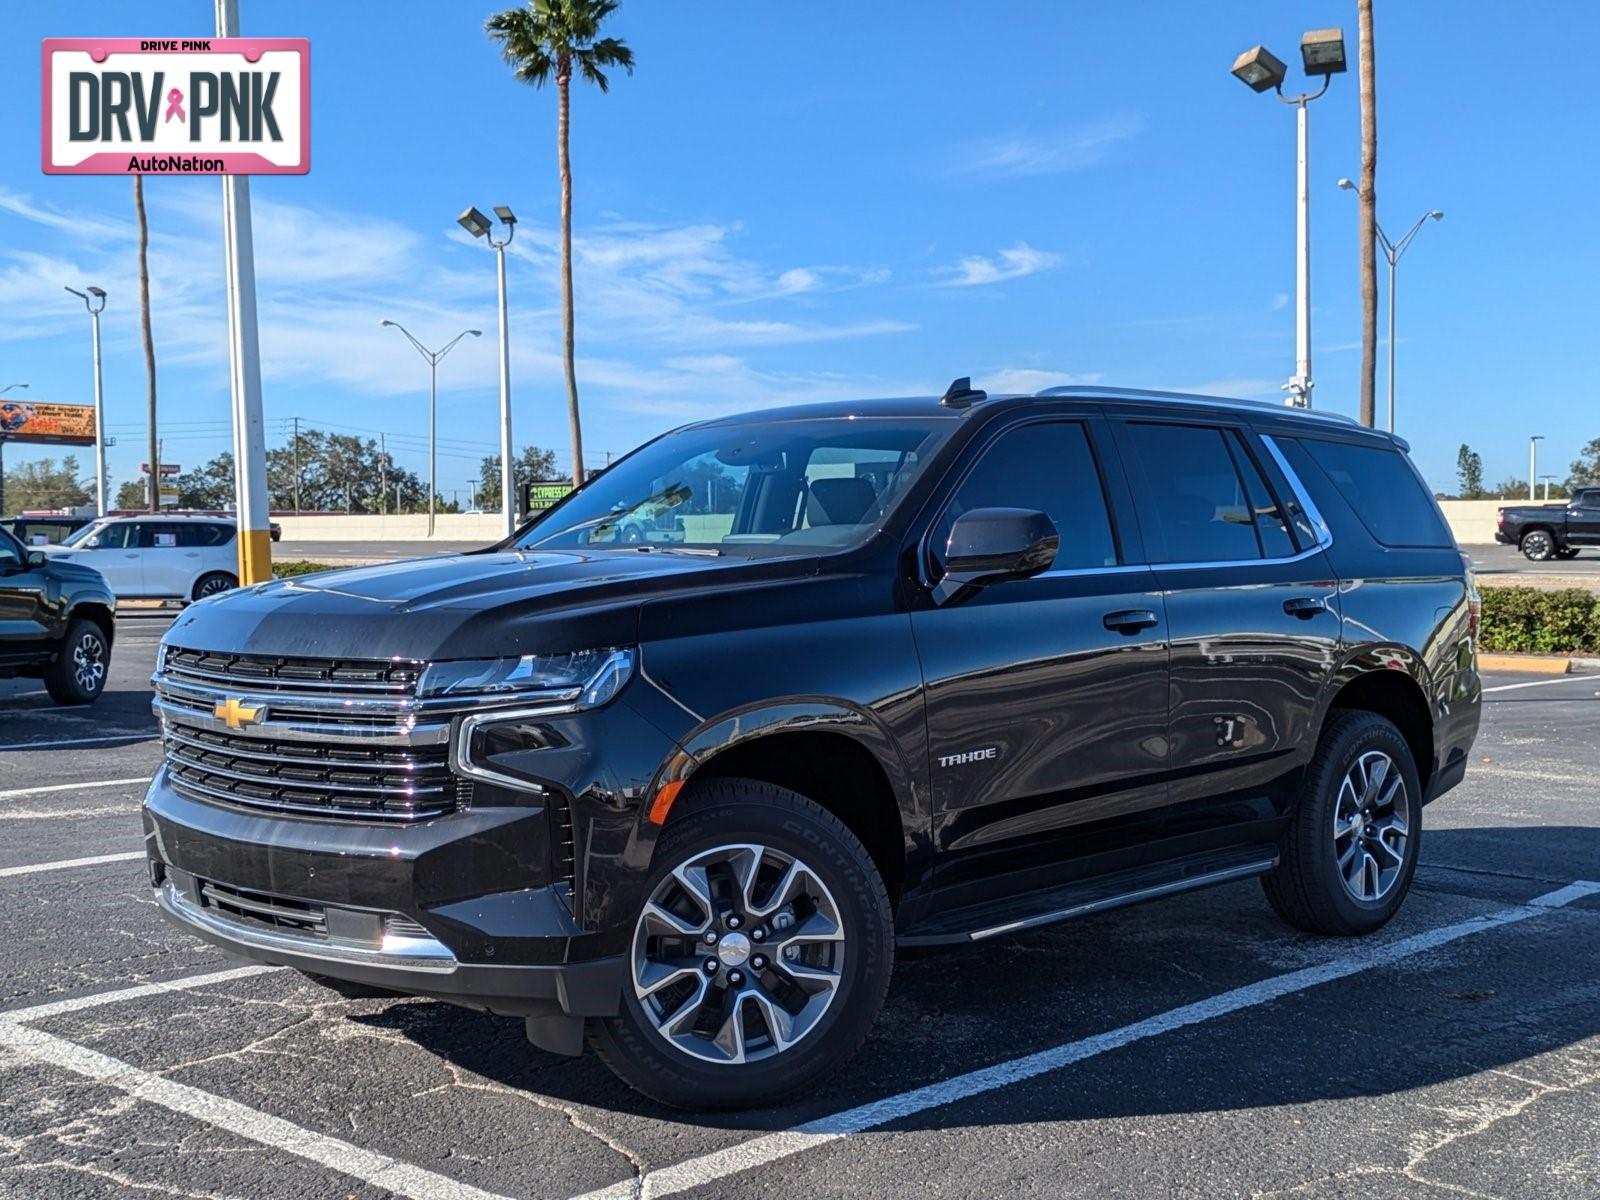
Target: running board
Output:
[{"x": 999, "y": 918}]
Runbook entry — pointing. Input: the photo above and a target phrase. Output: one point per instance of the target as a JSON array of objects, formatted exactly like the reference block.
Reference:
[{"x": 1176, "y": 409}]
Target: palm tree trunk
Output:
[
  {"x": 1368, "y": 233},
  {"x": 149, "y": 343},
  {"x": 563, "y": 89}
]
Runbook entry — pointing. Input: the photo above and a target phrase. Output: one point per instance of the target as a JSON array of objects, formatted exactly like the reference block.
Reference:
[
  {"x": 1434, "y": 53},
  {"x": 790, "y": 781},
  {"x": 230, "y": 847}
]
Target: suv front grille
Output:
[
  {"x": 344, "y": 738},
  {"x": 298, "y": 917}
]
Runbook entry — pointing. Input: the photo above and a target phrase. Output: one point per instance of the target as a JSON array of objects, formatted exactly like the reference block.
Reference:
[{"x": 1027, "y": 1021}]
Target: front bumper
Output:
[{"x": 439, "y": 909}]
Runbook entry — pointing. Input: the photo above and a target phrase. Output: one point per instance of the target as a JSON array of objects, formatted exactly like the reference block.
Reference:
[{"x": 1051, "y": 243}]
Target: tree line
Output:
[{"x": 1584, "y": 472}]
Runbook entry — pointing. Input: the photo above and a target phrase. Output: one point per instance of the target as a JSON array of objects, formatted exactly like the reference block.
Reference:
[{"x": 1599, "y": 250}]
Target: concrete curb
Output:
[{"x": 1534, "y": 664}]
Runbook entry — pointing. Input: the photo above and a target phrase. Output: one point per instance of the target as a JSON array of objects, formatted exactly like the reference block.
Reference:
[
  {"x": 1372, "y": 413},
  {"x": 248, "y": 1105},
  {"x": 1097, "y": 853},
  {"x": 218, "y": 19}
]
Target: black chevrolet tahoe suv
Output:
[
  {"x": 55, "y": 622},
  {"x": 1546, "y": 531},
  {"x": 906, "y": 673}
]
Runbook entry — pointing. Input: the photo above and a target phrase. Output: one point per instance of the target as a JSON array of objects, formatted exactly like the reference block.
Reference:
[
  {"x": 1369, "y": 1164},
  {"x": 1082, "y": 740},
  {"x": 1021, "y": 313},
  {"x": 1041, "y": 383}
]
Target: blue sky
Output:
[{"x": 779, "y": 205}]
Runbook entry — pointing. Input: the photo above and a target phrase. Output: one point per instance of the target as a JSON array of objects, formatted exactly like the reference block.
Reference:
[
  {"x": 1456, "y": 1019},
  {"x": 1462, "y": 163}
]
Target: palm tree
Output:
[
  {"x": 1368, "y": 229},
  {"x": 149, "y": 344},
  {"x": 548, "y": 39}
]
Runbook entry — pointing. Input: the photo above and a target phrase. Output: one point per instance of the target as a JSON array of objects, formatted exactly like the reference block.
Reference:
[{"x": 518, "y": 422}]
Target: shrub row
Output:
[
  {"x": 286, "y": 570},
  {"x": 1545, "y": 622}
]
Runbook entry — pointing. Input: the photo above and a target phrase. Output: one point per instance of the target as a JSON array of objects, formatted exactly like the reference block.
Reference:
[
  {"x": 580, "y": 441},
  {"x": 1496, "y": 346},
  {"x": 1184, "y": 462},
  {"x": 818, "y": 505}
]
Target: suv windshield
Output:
[
  {"x": 80, "y": 537},
  {"x": 781, "y": 484}
]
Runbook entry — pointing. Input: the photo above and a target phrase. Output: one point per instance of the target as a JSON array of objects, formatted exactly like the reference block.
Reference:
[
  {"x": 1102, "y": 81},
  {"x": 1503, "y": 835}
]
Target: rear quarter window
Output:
[{"x": 1384, "y": 490}]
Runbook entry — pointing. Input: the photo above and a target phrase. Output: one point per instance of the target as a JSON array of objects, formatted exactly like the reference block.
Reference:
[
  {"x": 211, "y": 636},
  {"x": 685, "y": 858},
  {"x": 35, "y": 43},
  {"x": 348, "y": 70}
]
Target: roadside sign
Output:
[
  {"x": 57, "y": 424},
  {"x": 166, "y": 469},
  {"x": 536, "y": 496},
  {"x": 169, "y": 495},
  {"x": 170, "y": 106}
]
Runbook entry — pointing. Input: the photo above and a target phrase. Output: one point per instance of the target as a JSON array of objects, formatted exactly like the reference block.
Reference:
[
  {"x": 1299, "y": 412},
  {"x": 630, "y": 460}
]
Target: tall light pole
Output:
[
  {"x": 94, "y": 299},
  {"x": 1392, "y": 250},
  {"x": 1322, "y": 52},
  {"x": 433, "y": 357},
  {"x": 1533, "y": 461},
  {"x": 478, "y": 225},
  {"x": 3, "y": 391},
  {"x": 1547, "y": 479}
]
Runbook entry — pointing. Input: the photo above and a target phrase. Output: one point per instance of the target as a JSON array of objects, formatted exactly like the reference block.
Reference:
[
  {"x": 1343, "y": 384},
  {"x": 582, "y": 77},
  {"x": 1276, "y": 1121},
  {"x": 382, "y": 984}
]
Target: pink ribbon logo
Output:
[{"x": 175, "y": 106}]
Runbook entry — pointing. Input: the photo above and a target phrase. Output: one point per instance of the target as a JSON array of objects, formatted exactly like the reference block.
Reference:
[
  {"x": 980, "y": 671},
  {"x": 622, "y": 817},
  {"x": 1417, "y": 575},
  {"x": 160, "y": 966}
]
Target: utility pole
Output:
[
  {"x": 383, "y": 472},
  {"x": 1533, "y": 462},
  {"x": 94, "y": 299},
  {"x": 244, "y": 362},
  {"x": 296, "y": 421}
]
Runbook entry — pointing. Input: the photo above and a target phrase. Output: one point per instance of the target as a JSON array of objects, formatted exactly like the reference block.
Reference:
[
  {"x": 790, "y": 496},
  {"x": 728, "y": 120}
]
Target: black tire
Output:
[
  {"x": 78, "y": 673},
  {"x": 1538, "y": 545},
  {"x": 351, "y": 990},
  {"x": 1307, "y": 889},
  {"x": 213, "y": 583},
  {"x": 715, "y": 814}
]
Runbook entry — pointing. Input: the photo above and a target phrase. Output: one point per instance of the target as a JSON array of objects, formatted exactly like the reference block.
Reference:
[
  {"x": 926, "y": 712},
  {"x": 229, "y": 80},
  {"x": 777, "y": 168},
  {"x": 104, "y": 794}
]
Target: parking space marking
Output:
[
  {"x": 65, "y": 863},
  {"x": 763, "y": 1151},
  {"x": 186, "y": 983},
  {"x": 378, "y": 1170},
  {"x": 18, "y": 793},
  {"x": 140, "y": 735},
  {"x": 1511, "y": 687}
]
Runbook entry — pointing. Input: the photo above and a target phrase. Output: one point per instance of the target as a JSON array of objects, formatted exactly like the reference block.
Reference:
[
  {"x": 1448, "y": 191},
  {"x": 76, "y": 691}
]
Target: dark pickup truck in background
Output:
[{"x": 1546, "y": 531}]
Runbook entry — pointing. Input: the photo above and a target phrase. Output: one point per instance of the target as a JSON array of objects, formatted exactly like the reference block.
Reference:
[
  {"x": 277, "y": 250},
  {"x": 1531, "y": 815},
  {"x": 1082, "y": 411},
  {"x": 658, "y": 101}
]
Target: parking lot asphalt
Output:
[
  {"x": 1189, "y": 1047},
  {"x": 1495, "y": 559}
]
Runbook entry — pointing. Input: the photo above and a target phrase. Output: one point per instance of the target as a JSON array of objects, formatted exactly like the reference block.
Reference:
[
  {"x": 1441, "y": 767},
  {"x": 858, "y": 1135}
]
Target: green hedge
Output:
[
  {"x": 1545, "y": 622},
  {"x": 287, "y": 570}
]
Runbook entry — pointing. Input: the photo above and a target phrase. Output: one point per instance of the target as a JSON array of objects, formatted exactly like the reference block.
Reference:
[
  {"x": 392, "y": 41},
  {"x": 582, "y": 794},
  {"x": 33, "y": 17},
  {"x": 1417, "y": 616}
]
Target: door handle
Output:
[
  {"x": 1130, "y": 620},
  {"x": 1305, "y": 607}
]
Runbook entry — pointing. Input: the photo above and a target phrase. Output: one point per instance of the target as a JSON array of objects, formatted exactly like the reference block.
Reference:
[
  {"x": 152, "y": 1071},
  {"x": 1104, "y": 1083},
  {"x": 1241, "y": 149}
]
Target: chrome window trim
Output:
[
  {"x": 1319, "y": 525},
  {"x": 1190, "y": 399}
]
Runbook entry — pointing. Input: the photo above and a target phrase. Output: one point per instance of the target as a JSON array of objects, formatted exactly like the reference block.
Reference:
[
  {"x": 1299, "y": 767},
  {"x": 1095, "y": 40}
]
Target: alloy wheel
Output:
[
  {"x": 737, "y": 954},
  {"x": 215, "y": 585},
  {"x": 89, "y": 664},
  {"x": 1371, "y": 826},
  {"x": 1536, "y": 546}
]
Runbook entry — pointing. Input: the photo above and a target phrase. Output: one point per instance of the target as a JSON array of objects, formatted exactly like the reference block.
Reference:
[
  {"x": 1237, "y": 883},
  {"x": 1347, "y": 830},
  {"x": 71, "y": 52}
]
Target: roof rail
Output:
[
  {"x": 1109, "y": 393},
  {"x": 961, "y": 393}
]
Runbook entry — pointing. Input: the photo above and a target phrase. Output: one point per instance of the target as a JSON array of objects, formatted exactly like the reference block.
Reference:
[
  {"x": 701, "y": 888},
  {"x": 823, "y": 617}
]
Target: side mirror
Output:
[
  {"x": 37, "y": 559},
  {"x": 988, "y": 545}
]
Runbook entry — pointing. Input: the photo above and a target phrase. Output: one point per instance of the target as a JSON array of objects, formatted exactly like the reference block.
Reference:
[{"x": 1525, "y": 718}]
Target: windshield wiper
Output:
[{"x": 698, "y": 551}]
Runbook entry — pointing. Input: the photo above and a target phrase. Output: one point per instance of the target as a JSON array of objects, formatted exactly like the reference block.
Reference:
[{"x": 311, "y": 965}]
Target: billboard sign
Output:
[
  {"x": 170, "y": 106},
  {"x": 58, "y": 424},
  {"x": 538, "y": 496}
]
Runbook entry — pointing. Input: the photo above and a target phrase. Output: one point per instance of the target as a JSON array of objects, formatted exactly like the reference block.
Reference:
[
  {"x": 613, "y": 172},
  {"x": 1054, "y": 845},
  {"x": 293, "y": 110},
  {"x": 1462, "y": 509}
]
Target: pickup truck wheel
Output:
[
  {"x": 78, "y": 674},
  {"x": 1538, "y": 546},
  {"x": 1353, "y": 843},
  {"x": 760, "y": 955}
]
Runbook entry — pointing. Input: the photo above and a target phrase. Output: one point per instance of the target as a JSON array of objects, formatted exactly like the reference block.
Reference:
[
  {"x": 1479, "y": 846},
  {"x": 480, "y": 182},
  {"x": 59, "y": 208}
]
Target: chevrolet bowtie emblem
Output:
[{"x": 235, "y": 714}]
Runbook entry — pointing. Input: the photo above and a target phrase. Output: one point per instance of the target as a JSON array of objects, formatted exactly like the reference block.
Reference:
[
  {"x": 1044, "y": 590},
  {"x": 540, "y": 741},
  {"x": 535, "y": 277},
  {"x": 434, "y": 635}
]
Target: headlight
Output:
[{"x": 586, "y": 678}]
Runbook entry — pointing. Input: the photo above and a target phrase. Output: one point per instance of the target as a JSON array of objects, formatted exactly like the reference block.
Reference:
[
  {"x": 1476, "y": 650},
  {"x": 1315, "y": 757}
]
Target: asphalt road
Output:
[
  {"x": 1190, "y": 1047},
  {"x": 1508, "y": 560}
]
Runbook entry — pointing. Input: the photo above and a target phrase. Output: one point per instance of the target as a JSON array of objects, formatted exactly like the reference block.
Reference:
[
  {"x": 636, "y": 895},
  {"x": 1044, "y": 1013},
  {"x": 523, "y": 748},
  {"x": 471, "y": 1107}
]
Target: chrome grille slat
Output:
[
  {"x": 185, "y": 736},
  {"x": 275, "y": 672},
  {"x": 408, "y": 791}
]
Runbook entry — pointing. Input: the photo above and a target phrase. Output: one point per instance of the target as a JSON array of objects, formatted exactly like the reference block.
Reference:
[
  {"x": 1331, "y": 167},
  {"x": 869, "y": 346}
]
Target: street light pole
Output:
[
  {"x": 433, "y": 357},
  {"x": 1392, "y": 250},
  {"x": 1322, "y": 52},
  {"x": 479, "y": 226},
  {"x": 89, "y": 296},
  {"x": 1533, "y": 462}
]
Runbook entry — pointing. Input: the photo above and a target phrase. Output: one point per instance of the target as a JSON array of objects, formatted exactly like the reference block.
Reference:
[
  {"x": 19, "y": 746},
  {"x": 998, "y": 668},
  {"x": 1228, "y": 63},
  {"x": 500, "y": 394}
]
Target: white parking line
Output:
[
  {"x": 141, "y": 991},
  {"x": 379, "y": 1170},
  {"x": 1511, "y": 687},
  {"x": 18, "y": 793},
  {"x": 63, "y": 864},
  {"x": 138, "y": 735},
  {"x": 763, "y": 1151}
]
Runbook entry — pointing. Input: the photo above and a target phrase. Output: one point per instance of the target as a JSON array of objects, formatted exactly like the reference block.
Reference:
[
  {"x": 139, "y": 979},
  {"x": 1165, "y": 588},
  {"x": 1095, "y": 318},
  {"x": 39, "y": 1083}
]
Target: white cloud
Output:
[
  {"x": 1027, "y": 380},
  {"x": 1013, "y": 263},
  {"x": 1071, "y": 151},
  {"x": 1280, "y": 300}
]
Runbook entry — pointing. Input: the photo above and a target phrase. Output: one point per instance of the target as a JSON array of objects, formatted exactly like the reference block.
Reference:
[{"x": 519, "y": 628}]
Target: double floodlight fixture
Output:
[
  {"x": 1321, "y": 50},
  {"x": 478, "y": 225},
  {"x": 98, "y": 294}
]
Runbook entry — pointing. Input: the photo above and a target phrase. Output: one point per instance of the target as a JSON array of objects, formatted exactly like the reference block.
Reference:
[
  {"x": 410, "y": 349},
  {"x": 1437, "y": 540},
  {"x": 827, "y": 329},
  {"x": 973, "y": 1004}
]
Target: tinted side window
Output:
[
  {"x": 1049, "y": 467},
  {"x": 1383, "y": 489},
  {"x": 1271, "y": 525},
  {"x": 11, "y": 554},
  {"x": 1589, "y": 499},
  {"x": 202, "y": 533},
  {"x": 114, "y": 536},
  {"x": 1192, "y": 501},
  {"x": 158, "y": 535}
]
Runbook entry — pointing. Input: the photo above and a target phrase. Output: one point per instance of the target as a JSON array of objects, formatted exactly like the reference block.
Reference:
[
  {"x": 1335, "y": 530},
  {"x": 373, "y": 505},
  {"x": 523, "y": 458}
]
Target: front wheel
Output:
[
  {"x": 760, "y": 955},
  {"x": 1538, "y": 546},
  {"x": 1353, "y": 843},
  {"x": 78, "y": 674}
]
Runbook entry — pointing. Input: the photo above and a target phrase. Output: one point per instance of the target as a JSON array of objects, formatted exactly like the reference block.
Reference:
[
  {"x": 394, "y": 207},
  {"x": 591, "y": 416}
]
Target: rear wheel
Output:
[
  {"x": 1352, "y": 847},
  {"x": 760, "y": 956},
  {"x": 78, "y": 674},
  {"x": 213, "y": 584},
  {"x": 1538, "y": 545}
]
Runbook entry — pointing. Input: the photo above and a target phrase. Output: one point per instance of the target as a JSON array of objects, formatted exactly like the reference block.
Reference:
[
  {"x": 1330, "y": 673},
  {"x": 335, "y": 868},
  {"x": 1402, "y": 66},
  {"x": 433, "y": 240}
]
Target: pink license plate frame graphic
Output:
[{"x": 231, "y": 162}]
